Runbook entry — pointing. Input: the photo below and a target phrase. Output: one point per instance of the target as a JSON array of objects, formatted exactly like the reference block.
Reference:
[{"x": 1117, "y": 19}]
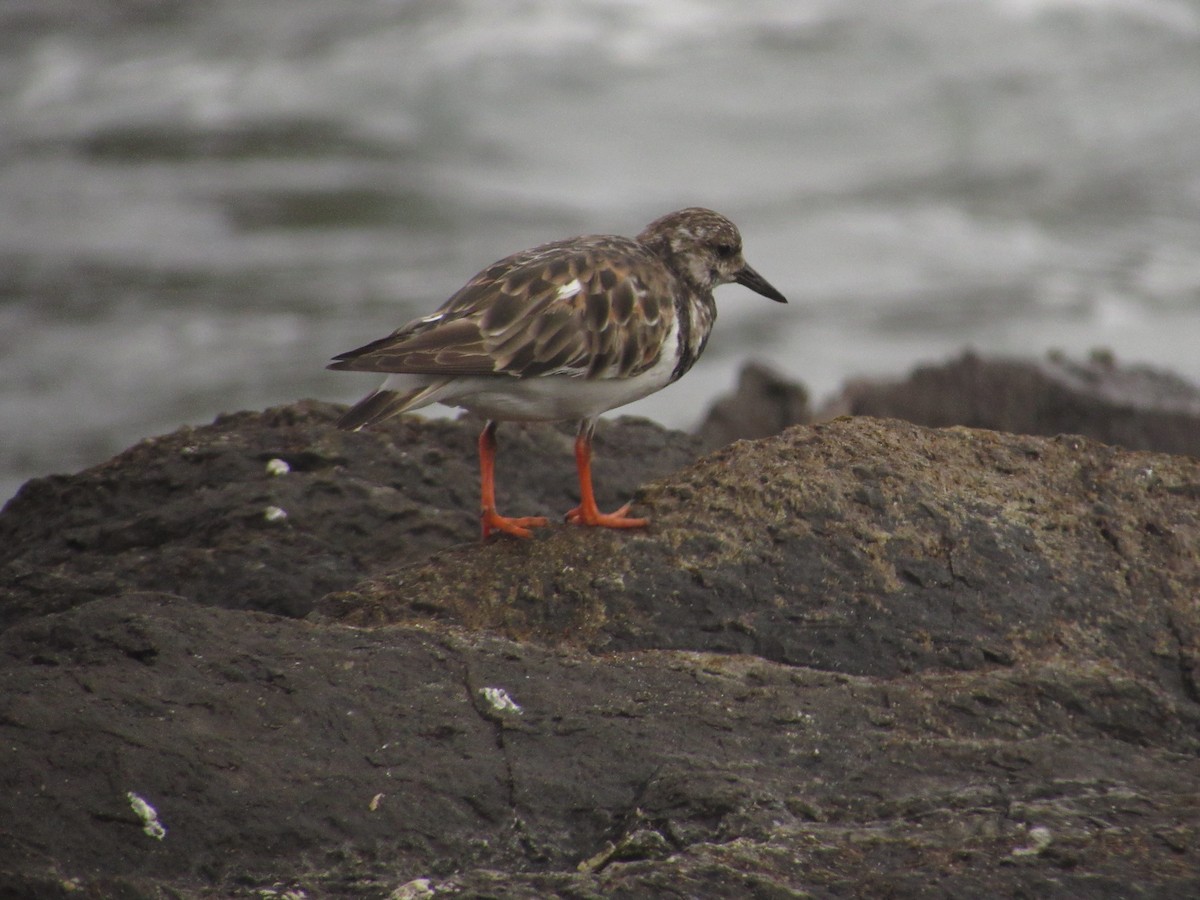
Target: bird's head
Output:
[{"x": 706, "y": 249}]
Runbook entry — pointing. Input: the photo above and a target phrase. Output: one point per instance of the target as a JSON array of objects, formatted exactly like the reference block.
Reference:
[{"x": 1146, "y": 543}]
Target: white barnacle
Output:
[
  {"x": 417, "y": 889},
  {"x": 274, "y": 514},
  {"x": 278, "y": 467},
  {"x": 499, "y": 700},
  {"x": 148, "y": 815},
  {"x": 282, "y": 891},
  {"x": 1039, "y": 839}
]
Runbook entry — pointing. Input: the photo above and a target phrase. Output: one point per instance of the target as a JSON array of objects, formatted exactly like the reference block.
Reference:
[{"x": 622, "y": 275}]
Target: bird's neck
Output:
[{"x": 696, "y": 311}]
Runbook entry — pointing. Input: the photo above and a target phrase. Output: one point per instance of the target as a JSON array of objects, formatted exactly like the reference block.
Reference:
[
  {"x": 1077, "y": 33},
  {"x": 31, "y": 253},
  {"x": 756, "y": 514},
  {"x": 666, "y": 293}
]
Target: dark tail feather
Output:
[
  {"x": 383, "y": 404},
  {"x": 372, "y": 409}
]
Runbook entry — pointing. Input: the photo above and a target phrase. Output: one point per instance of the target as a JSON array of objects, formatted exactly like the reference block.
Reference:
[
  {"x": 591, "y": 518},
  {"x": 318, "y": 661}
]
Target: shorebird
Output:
[{"x": 565, "y": 330}]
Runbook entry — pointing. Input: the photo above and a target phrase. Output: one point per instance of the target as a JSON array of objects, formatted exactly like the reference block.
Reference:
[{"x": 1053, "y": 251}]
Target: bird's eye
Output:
[{"x": 725, "y": 251}]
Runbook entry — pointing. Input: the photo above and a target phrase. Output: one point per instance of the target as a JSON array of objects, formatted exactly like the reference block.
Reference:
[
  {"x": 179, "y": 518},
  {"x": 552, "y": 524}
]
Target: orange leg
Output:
[
  {"x": 488, "y": 517},
  {"x": 587, "y": 513}
]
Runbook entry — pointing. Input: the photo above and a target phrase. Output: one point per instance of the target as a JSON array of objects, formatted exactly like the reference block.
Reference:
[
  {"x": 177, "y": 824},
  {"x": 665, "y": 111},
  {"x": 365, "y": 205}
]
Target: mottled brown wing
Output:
[{"x": 596, "y": 307}]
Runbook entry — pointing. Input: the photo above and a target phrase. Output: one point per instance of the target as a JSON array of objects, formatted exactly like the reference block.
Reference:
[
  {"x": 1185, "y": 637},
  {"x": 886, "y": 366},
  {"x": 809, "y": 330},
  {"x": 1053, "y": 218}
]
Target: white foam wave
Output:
[{"x": 1176, "y": 15}]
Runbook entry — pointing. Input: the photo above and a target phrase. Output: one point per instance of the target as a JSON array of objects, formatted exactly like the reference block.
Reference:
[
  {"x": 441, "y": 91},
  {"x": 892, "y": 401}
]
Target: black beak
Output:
[{"x": 758, "y": 284}]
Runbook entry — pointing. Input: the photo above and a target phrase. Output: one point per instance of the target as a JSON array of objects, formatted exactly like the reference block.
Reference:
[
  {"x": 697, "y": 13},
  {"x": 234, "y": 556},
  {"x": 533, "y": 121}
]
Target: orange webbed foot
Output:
[
  {"x": 619, "y": 519},
  {"x": 490, "y": 521}
]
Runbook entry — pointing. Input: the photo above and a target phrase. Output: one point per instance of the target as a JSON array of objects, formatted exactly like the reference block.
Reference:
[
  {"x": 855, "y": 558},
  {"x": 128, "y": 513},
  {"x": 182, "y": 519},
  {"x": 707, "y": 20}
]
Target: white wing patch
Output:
[{"x": 569, "y": 290}]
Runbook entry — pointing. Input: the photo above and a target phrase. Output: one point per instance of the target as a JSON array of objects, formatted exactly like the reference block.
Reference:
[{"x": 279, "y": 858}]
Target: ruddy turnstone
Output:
[{"x": 566, "y": 330}]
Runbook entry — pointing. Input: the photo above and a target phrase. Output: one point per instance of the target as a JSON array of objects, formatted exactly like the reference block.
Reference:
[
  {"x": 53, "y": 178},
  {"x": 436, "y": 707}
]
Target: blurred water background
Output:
[{"x": 203, "y": 200}]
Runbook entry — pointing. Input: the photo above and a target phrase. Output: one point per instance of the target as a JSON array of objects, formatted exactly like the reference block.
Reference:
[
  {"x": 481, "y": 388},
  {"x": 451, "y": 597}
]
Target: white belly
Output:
[
  {"x": 545, "y": 397},
  {"x": 549, "y": 397}
]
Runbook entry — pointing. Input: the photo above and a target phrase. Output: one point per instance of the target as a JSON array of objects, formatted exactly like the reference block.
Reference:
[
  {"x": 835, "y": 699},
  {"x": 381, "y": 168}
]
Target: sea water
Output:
[{"x": 201, "y": 202}]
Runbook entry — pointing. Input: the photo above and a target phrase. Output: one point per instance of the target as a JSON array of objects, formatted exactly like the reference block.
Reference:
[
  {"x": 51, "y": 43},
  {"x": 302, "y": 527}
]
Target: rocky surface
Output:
[
  {"x": 1136, "y": 407},
  {"x": 862, "y": 658},
  {"x": 861, "y": 546},
  {"x": 188, "y": 513}
]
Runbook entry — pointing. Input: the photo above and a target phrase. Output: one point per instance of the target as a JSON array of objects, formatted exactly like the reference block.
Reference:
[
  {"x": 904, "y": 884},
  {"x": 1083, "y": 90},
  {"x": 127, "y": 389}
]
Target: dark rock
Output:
[
  {"x": 187, "y": 513},
  {"x": 860, "y": 659},
  {"x": 1131, "y": 406},
  {"x": 865, "y": 547},
  {"x": 348, "y": 762},
  {"x": 763, "y": 404}
]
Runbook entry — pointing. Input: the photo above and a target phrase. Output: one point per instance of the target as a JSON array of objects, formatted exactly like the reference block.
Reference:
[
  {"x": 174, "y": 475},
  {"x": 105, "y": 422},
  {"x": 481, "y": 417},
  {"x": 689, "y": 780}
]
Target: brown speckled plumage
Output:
[
  {"x": 513, "y": 318},
  {"x": 568, "y": 329}
]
